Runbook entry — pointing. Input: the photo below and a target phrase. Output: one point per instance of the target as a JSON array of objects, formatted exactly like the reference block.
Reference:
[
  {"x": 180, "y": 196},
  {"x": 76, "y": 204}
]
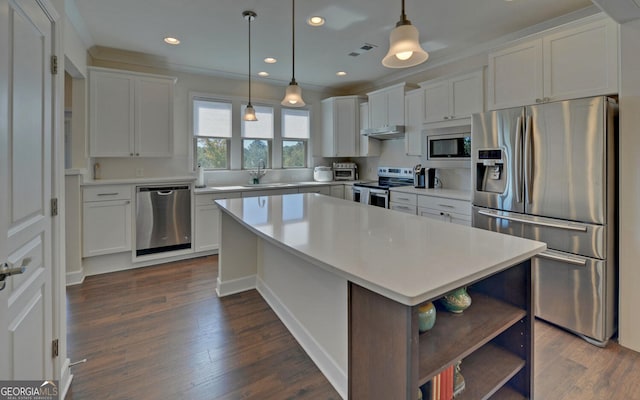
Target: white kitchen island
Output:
[{"x": 346, "y": 280}]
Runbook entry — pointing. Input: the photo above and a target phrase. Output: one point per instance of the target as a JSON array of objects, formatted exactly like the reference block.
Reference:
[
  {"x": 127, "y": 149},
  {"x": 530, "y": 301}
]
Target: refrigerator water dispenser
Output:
[{"x": 492, "y": 177}]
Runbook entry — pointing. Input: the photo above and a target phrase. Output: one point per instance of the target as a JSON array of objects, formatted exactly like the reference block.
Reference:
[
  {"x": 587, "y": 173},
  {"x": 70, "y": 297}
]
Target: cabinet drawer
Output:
[
  {"x": 404, "y": 198},
  {"x": 102, "y": 193},
  {"x": 444, "y": 204},
  {"x": 209, "y": 198},
  {"x": 409, "y": 209}
]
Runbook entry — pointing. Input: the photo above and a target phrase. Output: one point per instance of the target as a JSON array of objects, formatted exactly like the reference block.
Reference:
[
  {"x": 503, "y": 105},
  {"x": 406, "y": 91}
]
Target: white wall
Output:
[
  {"x": 179, "y": 164},
  {"x": 629, "y": 192}
]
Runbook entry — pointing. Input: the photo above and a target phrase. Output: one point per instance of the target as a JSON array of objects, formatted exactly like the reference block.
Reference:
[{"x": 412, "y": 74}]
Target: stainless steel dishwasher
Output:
[{"x": 163, "y": 219}]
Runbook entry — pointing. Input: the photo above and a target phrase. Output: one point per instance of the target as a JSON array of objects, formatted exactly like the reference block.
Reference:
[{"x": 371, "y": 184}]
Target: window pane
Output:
[
  {"x": 263, "y": 127},
  {"x": 294, "y": 153},
  {"x": 295, "y": 124},
  {"x": 212, "y": 153},
  {"x": 255, "y": 153},
  {"x": 211, "y": 118}
]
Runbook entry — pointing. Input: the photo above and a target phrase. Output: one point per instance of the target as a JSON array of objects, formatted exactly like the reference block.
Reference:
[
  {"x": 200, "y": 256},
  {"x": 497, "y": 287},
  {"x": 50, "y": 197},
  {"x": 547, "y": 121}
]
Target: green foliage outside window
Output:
[
  {"x": 293, "y": 153},
  {"x": 254, "y": 150},
  {"x": 212, "y": 153}
]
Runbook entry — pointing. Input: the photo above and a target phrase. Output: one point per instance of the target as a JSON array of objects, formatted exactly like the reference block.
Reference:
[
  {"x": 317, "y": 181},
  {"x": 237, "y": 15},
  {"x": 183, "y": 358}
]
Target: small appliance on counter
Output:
[
  {"x": 345, "y": 171},
  {"x": 424, "y": 177},
  {"x": 322, "y": 174}
]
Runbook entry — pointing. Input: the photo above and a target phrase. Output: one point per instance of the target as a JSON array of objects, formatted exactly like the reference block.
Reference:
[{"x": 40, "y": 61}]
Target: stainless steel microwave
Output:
[{"x": 452, "y": 147}]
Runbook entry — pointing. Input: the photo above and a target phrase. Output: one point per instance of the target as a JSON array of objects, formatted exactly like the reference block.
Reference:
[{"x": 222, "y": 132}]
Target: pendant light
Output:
[
  {"x": 404, "y": 45},
  {"x": 293, "y": 95},
  {"x": 249, "y": 112}
]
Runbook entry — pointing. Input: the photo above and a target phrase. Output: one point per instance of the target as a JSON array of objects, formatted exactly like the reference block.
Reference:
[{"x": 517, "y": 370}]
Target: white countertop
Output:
[
  {"x": 407, "y": 258},
  {"x": 90, "y": 182},
  {"x": 265, "y": 186},
  {"x": 448, "y": 193}
]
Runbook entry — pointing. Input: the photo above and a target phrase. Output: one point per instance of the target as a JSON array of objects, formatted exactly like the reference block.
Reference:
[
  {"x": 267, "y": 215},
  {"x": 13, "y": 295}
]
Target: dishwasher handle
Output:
[{"x": 162, "y": 190}]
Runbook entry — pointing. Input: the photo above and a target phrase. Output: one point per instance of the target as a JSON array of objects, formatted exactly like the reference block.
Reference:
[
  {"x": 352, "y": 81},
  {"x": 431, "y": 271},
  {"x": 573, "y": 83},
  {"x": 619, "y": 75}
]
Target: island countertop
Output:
[{"x": 407, "y": 258}]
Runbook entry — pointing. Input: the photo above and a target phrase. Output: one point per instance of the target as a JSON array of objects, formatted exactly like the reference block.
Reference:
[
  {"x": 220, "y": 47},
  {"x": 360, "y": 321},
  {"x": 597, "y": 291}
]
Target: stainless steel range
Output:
[{"x": 377, "y": 193}]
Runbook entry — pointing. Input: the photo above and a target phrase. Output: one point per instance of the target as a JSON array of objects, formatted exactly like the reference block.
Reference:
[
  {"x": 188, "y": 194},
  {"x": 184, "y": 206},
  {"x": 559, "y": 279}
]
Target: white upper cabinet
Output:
[
  {"x": 368, "y": 147},
  {"x": 414, "y": 116},
  {"x": 386, "y": 106},
  {"x": 130, "y": 114},
  {"x": 341, "y": 126},
  {"x": 578, "y": 60},
  {"x": 454, "y": 98}
]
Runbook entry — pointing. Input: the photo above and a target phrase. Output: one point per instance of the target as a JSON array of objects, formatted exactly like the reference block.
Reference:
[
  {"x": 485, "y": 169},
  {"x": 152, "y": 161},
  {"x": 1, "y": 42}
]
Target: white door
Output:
[{"x": 25, "y": 190}]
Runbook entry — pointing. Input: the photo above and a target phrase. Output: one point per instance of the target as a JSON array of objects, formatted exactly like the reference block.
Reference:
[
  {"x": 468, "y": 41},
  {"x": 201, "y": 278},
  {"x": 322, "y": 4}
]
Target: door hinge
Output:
[
  {"x": 54, "y": 348},
  {"x": 54, "y": 65},
  {"x": 54, "y": 207}
]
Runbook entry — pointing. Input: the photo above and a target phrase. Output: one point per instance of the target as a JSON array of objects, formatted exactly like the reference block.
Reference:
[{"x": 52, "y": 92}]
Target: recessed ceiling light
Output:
[
  {"x": 341, "y": 73},
  {"x": 315, "y": 21},
  {"x": 270, "y": 60},
  {"x": 172, "y": 41},
  {"x": 263, "y": 73}
]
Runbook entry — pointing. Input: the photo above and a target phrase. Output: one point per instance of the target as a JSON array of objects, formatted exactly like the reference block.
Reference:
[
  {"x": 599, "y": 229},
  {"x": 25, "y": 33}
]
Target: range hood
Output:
[{"x": 385, "y": 132}]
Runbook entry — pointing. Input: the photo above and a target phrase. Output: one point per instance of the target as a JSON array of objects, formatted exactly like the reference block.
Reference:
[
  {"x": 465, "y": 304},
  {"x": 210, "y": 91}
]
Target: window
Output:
[
  {"x": 295, "y": 136},
  {"x": 256, "y": 138},
  {"x": 211, "y": 133}
]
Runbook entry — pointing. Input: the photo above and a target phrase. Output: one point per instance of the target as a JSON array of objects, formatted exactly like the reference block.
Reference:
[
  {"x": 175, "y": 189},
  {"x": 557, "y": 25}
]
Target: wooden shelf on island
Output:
[
  {"x": 455, "y": 336},
  {"x": 487, "y": 370}
]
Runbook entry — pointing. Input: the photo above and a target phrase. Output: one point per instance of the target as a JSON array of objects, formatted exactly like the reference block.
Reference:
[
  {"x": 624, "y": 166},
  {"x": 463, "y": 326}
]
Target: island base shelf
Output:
[{"x": 389, "y": 358}]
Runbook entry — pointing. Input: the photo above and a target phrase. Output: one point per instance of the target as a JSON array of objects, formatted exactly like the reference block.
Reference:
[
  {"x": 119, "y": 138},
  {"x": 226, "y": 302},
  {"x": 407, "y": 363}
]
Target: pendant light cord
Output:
[
  {"x": 250, "y": 18},
  {"x": 293, "y": 40}
]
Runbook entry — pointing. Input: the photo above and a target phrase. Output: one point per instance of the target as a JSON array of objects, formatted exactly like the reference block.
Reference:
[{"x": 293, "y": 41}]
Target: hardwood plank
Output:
[
  {"x": 161, "y": 332},
  {"x": 454, "y": 336},
  {"x": 181, "y": 347}
]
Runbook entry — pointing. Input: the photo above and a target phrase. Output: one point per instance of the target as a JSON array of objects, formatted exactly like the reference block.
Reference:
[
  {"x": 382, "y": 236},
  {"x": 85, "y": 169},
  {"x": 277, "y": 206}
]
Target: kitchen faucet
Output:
[{"x": 259, "y": 173}]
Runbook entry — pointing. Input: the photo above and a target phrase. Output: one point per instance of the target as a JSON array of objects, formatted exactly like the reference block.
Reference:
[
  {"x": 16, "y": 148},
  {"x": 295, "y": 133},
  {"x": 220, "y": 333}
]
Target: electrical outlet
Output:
[{"x": 139, "y": 172}]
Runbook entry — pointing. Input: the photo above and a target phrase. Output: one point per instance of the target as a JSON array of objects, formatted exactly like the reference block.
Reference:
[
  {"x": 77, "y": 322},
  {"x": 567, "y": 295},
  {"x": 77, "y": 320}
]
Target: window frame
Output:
[
  {"x": 194, "y": 138},
  {"x": 269, "y": 161},
  {"x": 284, "y": 139}
]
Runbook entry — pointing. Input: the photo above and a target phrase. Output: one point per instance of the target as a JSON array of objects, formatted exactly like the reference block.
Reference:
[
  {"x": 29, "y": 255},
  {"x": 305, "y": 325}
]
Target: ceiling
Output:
[{"x": 214, "y": 33}]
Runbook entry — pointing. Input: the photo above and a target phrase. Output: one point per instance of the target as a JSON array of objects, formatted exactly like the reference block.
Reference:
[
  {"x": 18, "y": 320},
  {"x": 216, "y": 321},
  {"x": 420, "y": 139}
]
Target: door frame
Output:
[{"x": 58, "y": 285}]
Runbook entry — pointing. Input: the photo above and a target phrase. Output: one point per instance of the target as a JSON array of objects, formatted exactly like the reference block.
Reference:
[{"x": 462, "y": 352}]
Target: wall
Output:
[
  {"x": 629, "y": 181},
  {"x": 179, "y": 164}
]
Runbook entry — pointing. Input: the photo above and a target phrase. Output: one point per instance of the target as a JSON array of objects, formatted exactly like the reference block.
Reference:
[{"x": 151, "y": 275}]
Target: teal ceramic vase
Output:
[
  {"x": 456, "y": 301},
  {"x": 426, "y": 317}
]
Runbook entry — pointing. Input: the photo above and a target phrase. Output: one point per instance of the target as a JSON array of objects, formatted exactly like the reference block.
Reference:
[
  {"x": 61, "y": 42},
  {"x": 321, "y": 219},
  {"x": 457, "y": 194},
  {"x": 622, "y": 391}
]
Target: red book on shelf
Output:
[
  {"x": 450, "y": 384},
  {"x": 445, "y": 385}
]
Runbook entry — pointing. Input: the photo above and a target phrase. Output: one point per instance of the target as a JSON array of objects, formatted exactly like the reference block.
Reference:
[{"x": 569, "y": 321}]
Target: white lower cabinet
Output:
[
  {"x": 403, "y": 202},
  {"x": 444, "y": 209},
  {"x": 337, "y": 191},
  {"x": 207, "y": 219},
  {"x": 106, "y": 220},
  {"x": 326, "y": 190}
]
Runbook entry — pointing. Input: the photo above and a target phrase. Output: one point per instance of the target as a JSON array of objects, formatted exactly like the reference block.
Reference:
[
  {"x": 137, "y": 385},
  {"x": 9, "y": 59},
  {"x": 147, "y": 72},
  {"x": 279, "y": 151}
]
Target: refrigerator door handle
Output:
[
  {"x": 557, "y": 256},
  {"x": 567, "y": 226},
  {"x": 518, "y": 160},
  {"x": 527, "y": 158}
]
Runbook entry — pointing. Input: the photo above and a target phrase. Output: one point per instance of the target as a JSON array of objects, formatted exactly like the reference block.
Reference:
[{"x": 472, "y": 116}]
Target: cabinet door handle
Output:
[
  {"x": 130, "y": 154},
  {"x": 446, "y": 206},
  {"x": 446, "y": 117},
  {"x": 452, "y": 117},
  {"x": 137, "y": 154},
  {"x": 538, "y": 101},
  {"x": 108, "y": 194}
]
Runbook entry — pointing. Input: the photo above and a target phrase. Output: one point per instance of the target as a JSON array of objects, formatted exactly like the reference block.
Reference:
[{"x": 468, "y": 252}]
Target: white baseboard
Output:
[
  {"x": 75, "y": 278},
  {"x": 65, "y": 379},
  {"x": 336, "y": 376},
  {"x": 234, "y": 286}
]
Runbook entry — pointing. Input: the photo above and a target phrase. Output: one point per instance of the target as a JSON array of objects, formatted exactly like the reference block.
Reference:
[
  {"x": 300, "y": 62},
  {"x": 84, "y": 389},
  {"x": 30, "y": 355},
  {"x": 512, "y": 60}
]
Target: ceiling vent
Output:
[
  {"x": 620, "y": 10},
  {"x": 363, "y": 48}
]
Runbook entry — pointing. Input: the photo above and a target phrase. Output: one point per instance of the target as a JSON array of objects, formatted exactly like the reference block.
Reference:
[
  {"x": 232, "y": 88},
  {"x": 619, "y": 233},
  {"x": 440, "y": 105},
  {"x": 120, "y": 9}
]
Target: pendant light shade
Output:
[
  {"x": 249, "y": 112},
  {"x": 293, "y": 94},
  {"x": 404, "y": 45}
]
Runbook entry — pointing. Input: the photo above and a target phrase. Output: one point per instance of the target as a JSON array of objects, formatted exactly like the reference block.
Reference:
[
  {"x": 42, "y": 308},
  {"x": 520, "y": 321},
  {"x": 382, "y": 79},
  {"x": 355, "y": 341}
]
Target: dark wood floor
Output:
[{"x": 161, "y": 333}]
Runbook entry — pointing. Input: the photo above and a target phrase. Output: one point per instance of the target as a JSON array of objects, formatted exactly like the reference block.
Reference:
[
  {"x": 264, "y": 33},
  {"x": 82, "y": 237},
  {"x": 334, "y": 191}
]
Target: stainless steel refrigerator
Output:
[{"x": 547, "y": 172}]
